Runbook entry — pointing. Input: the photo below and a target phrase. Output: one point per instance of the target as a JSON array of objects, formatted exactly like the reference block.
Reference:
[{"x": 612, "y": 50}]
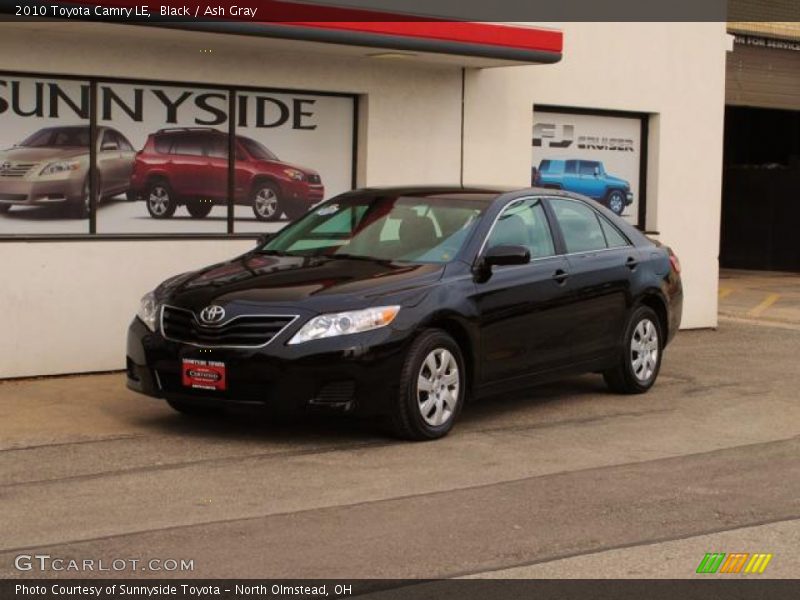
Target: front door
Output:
[{"x": 524, "y": 309}]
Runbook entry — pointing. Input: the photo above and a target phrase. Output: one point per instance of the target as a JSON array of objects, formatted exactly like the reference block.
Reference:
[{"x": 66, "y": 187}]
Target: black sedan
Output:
[{"x": 405, "y": 302}]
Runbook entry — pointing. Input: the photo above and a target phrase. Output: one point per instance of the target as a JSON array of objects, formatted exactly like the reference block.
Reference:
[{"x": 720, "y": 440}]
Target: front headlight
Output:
[
  {"x": 294, "y": 174},
  {"x": 61, "y": 166},
  {"x": 149, "y": 311},
  {"x": 345, "y": 323}
]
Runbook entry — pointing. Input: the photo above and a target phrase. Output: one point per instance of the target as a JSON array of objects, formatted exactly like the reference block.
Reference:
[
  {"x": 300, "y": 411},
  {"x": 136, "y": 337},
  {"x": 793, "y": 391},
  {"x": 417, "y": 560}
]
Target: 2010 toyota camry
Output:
[{"x": 405, "y": 302}]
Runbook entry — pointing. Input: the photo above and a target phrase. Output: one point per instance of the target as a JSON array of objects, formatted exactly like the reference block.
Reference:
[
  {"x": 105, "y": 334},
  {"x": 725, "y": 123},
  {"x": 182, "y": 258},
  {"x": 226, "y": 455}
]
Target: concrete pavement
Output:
[{"x": 564, "y": 480}]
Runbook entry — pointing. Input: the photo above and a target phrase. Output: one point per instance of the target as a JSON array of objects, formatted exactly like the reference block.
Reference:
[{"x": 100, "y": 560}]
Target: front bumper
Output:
[
  {"x": 628, "y": 198},
  {"x": 358, "y": 373},
  {"x": 27, "y": 192}
]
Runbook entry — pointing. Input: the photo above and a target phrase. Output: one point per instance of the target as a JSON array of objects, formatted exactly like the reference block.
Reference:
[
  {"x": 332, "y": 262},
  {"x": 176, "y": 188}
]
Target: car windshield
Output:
[
  {"x": 257, "y": 150},
  {"x": 419, "y": 229},
  {"x": 58, "y": 137}
]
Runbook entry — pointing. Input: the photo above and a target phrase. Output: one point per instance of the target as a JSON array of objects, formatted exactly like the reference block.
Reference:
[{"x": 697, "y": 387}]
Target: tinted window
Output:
[
  {"x": 523, "y": 223},
  {"x": 164, "y": 143},
  {"x": 124, "y": 144},
  {"x": 218, "y": 146},
  {"x": 579, "y": 224},
  {"x": 191, "y": 145},
  {"x": 614, "y": 238},
  {"x": 109, "y": 142},
  {"x": 58, "y": 137},
  {"x": 402, "y": 228},
  {"x": 588, "y": 167},
  {"x": 571, "y": 167},
  {"x": 256, "y": 150}
]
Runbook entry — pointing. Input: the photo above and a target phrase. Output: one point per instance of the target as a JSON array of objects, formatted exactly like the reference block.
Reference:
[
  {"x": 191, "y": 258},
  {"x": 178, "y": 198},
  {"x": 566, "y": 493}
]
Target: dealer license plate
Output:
[{"x": 203, "y": 374}]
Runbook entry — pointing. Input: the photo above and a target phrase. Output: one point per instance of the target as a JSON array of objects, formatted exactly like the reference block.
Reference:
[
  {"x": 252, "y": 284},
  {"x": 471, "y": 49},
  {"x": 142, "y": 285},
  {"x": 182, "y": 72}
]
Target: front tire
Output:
[
  {"x": 266, "y": 201},
  {"x": 161, "y": 203},
  {"x": 641, "y": 354},
  {"x": 616, "y": 201},
  {"x": 80, "y": 207},
  {"x": 199, "y": 209},
  {"x": 432, "y": 388}
]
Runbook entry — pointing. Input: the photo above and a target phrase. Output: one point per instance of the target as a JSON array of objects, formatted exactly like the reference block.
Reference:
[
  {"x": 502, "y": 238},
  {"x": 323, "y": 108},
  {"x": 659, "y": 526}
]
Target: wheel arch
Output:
[
  {"x": 265, "y": 178},
  {"x": 653, "y": 299},
  {"x": 454, "y": 326}
]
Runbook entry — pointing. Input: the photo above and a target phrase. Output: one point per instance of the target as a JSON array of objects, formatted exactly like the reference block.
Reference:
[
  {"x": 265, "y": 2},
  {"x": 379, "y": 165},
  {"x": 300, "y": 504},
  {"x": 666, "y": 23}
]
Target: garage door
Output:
[{"x": 764, "y": 75}]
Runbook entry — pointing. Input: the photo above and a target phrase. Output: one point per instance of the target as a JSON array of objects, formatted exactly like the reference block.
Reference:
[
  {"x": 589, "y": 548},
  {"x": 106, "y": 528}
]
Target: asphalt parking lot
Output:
[{"x": 564, "y": 480}]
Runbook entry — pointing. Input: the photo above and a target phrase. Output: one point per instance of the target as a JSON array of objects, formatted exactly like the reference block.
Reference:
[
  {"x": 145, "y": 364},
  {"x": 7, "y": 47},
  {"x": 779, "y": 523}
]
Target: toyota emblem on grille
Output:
[{"x": 212, "y": 314}]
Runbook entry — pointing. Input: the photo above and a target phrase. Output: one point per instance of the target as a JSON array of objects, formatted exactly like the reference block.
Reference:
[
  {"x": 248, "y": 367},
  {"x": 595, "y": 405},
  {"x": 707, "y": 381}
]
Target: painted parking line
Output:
[
  {"x": 764, "y": 305},
  {"x": 725, "y": 292}
]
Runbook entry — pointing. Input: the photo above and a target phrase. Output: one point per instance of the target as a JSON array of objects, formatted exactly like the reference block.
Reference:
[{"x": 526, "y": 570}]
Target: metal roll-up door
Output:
[{"x": 764, "y": 77}]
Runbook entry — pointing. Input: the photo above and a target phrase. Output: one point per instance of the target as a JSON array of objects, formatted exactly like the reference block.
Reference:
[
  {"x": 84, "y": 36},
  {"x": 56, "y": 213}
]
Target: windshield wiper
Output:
[
  {"x": 274, "y": 252},
  {"x": 356, "y": 257}
]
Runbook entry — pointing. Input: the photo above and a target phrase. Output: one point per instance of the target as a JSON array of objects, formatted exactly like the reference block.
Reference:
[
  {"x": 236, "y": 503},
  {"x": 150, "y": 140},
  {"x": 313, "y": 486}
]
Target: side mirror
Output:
[
  {"x": 507, "y": 255},
  {"x": 263, "y": 239},
  {"x": 500, "y": 256},
  {"x": 597, "y": 171}
]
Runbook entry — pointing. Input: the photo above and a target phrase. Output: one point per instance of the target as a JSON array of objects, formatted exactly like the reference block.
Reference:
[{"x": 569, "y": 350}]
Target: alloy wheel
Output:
[
  {"x": 438, "y": 387},
  {"x": 158, "y": 200},
  {"x": 644, "y": 350},
  {"x": 266, "y": 202},
  {"x": 616, "y": 203}
]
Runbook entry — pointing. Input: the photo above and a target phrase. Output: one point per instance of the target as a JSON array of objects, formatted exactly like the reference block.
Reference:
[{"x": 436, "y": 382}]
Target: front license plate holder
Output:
[{"x": 203, "y": 374}]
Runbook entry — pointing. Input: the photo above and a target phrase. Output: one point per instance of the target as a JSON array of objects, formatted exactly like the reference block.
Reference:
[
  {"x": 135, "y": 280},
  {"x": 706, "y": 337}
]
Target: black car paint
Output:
[{"x": 523, "y": 324}]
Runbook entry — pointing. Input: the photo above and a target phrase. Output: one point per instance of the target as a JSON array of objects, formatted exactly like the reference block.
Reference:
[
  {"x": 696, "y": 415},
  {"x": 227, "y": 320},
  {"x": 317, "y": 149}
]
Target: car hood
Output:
[
  {"x": 258, "y": 281},
  {"x": 24, "y": 154},
  {"x": 617, "y": 180},
  {"x": 285, "y": 165}
]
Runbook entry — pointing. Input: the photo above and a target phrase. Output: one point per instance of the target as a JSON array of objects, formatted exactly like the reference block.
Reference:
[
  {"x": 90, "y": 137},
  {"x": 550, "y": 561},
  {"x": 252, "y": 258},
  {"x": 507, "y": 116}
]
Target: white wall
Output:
[
  {"x": 675, "y": 72},
  {"x": 66, "y": 305}
]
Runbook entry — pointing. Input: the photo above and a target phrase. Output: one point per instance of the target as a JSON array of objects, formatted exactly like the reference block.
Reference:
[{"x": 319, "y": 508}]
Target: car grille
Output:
[
  {"x": 245, "y": 331},
  {"x": 313, "y": 179},
  {"x": 15, "y": 169}
]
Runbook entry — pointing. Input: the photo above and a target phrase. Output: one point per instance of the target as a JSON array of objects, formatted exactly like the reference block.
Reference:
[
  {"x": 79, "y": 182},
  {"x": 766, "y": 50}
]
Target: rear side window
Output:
[
  {"x": 579, "y": 224},
  {"x": 614, "y": 238},
  {"x": 218, "y": 146},
  {"x": 163, "y": 143},
  {"x": 191, "y": 145}
]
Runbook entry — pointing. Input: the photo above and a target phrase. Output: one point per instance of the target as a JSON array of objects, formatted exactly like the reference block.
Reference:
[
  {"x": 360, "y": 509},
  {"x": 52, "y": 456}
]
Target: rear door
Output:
[
  {"x": 188, "y": 165},
  {"x": 601, "y": 262},
  {"x": 524, "y": 309}
]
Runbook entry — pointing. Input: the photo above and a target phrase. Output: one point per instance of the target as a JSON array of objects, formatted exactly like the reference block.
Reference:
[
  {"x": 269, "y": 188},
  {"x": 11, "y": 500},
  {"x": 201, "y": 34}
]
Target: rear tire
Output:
[
  {"x": 641, "y": 354},
  {"x": 267, "y": 202},
  {"x": 199, "y": 209},
  {"x": 432, "y": 388},
  {"x": 193, "y": 410},
  {"x": 161, "y": 203},
  {"x": 4, "y": 208}
]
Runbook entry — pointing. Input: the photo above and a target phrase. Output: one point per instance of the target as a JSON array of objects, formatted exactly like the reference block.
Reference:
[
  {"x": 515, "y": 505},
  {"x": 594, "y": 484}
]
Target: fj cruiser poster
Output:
[{"x": 592, "y": 154}]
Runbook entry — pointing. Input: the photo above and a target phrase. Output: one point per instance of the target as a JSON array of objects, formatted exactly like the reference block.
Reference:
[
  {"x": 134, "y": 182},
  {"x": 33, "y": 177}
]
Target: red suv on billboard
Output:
[{"x": 189, "y": 166}]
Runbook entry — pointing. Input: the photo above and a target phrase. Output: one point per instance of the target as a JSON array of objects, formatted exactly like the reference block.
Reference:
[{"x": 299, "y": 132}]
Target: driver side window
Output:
[{"x": 523, "y": 223}]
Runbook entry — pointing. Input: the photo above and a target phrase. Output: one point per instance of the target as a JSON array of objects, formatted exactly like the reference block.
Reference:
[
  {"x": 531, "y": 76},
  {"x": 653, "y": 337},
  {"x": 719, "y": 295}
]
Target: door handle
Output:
[
  {"x": 560, "y": 276},
  {"x": 631, "y": 263}
]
